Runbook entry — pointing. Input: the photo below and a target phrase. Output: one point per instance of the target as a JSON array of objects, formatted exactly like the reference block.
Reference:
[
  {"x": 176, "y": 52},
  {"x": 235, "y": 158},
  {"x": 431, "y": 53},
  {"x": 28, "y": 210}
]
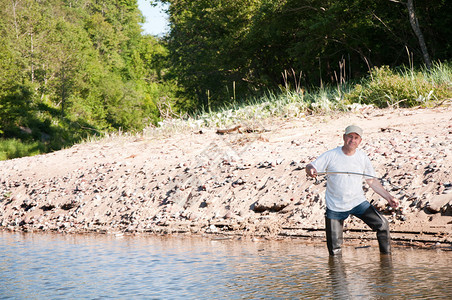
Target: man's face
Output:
[{"x": 352, "y": 140}]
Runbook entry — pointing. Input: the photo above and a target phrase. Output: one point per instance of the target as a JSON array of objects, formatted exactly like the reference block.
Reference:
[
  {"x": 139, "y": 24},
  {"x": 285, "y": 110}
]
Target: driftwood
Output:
[
  {"x": 229, "y": 130},
  {"x": 240, "y": 129},
  {"x": 389, "y": 129}
]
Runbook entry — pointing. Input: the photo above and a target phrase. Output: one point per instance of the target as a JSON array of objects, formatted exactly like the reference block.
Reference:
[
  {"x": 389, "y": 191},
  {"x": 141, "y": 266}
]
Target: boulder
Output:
[
  {"x": 438, "y": 202},
  {"x": 270, "y": 205}
]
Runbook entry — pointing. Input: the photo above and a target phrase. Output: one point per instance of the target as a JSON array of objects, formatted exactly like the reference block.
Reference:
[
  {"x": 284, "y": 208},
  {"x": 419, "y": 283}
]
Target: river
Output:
[{"x": 51, "y": 266}]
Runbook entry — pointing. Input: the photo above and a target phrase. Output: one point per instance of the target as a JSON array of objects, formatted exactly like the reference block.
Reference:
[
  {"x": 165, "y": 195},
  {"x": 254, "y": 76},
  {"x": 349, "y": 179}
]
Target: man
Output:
[{"x": 346, "y": 167}]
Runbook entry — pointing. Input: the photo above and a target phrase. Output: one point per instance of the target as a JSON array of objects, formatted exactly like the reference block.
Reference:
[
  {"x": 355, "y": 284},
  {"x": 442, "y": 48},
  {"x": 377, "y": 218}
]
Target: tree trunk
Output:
[
  {"x": 417, "y": 30},
  {"x": 32, "y": 50},
  {"x": 15, "y": 3}
]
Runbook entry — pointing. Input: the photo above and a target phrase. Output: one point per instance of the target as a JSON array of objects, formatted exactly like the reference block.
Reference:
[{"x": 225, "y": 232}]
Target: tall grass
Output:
[
  {"x": 251, "y": 113},
  {"x": 404, "y": 87},
  {"x": 13, "y": 148}
]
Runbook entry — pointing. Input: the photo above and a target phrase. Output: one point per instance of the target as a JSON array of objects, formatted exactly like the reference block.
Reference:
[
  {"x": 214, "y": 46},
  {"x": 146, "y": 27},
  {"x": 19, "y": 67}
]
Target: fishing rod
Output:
[
  {"x": 348, "y": 173},
  {"x": 362, "y": 174},
  {"x": 365, "y": 175}
]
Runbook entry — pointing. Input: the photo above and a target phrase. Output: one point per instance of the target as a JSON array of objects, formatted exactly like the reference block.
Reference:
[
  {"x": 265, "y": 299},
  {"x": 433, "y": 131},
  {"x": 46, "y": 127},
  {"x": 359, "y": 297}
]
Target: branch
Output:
[{"x": 395, "y": 1}]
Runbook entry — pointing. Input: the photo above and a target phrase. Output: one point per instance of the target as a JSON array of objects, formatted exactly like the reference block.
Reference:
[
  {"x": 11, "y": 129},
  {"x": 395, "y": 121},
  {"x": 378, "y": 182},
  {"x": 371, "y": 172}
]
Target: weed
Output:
[
  {"x": 405, "y": 88},
  {"x": 383, "y": 87},
  {"x": 13, "y": 148}
]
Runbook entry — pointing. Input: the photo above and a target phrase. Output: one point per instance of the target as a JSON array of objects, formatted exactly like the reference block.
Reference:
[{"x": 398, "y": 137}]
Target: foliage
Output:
[
  {"x": 406, "y": 88},
  {"x": 376, "y": 89},
  {"x": 70, "y": 69},
  {"x": 206, "y": 49},
  {"x": 225, "y": 50},
  {"x": 14, "y": 148}
]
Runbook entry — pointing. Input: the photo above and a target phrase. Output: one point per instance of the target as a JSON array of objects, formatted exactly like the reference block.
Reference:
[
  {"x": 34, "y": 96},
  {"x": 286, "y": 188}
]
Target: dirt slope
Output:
[{"x": 247, "y": 183}]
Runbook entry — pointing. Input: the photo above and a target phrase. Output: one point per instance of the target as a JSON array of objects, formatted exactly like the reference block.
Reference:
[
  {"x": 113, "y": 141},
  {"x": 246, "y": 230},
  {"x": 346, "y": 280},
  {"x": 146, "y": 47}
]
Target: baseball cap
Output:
[{"x": 355, "y": 129}]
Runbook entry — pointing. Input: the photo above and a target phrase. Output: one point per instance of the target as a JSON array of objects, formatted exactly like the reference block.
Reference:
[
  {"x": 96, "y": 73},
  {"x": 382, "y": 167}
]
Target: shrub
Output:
[
  {"x": 407, "y": 88},
  {"x": 13, "y": 148}
]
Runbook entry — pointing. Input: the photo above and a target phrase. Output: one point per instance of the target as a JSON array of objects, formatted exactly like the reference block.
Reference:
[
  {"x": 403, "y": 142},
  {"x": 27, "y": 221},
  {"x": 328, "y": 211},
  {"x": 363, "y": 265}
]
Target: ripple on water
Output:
[{"x": 43, "y": 266}]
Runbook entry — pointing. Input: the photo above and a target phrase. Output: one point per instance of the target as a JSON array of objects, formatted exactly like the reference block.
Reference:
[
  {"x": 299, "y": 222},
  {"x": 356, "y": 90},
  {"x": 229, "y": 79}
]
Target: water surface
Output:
[{"x": 46, "y": 266}]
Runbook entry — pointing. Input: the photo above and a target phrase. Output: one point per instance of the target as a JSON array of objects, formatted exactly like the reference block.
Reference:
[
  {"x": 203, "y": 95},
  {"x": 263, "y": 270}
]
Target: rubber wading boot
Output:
[
  {"x": 334, "y": 234},
  {"x": 379, "y": 224}
]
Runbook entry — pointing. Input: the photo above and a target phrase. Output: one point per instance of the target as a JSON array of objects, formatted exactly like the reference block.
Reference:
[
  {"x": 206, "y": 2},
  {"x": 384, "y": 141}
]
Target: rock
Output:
[
  {"x": 436, "y": 203},
  {"x": 213, "y": 228},
  {"x": 228, "y": 215},
  {"x": 270, "y": 205},
  {"x": 239, "y": 181}
]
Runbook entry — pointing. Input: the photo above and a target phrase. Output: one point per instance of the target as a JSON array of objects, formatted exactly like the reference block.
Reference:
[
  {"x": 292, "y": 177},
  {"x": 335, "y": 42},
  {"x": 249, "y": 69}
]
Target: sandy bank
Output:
[{"x": 240, "y": 184}]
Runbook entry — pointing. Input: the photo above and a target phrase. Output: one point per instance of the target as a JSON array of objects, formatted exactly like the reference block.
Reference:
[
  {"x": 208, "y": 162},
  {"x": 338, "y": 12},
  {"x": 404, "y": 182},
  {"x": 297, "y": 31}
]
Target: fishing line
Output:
[
  {"x": 365, "y": 175},
  {"x": 349, "y": 173}
]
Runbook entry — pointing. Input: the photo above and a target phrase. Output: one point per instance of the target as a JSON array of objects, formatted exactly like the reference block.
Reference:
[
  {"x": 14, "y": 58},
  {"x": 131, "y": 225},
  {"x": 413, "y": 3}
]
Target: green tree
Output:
[
  {"x": 73, "y": 68},
  {"x": 251, "y": 43},
  {"x": 205, "y": 49}
]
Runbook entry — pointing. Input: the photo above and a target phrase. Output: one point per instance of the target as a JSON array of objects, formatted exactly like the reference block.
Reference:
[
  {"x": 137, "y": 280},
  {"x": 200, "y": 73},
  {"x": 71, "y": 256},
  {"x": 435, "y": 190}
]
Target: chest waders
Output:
[{"x": 378, "y": 223}]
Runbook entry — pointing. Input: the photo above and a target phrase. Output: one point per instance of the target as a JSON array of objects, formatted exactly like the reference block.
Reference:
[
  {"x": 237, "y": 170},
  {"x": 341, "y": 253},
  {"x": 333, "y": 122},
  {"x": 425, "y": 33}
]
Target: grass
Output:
[
  {"x": 286, "y": 104},
  {"x": 14, "y": 148},
  {"x": 404, "y": 87}
]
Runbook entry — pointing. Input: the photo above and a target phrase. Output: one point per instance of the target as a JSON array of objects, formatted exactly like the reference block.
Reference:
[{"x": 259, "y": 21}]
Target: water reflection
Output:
[
  {"x": 338, "y": 277},
  {"x": 377, "y": 284},
  {"x": 43, "y": 266}
]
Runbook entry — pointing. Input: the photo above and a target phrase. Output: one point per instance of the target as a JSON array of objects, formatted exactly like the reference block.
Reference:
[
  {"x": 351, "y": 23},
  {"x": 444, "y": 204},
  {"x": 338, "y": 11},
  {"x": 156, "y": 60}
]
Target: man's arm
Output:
[
  {"x": 311, "y": 171},
  {"x": 380, "y": 190}
]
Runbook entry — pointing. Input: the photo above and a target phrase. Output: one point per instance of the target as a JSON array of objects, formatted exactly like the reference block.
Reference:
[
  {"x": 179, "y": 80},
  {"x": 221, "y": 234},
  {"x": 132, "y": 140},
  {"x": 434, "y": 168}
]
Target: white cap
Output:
[{"x": 354, "y": 129}]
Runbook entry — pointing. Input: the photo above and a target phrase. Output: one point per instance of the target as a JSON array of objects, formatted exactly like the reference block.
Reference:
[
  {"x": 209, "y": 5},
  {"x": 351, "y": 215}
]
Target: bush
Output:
[
  {"x": 407, "y": 88},
  {"x": 13, "y": 148}
]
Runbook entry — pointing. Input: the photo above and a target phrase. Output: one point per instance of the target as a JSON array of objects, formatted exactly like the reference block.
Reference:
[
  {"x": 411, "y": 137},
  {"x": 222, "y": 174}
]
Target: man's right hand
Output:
[
  {"x": 393, "y": 202},
  {"x": 311, "y": 171}
]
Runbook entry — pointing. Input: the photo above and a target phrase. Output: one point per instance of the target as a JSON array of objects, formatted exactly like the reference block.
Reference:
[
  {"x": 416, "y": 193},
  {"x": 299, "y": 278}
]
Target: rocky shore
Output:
[{"x": 244, "y": 183}]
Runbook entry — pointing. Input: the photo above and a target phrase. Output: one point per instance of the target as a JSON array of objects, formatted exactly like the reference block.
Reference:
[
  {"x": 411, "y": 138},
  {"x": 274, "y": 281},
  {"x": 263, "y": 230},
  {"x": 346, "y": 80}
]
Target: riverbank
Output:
[{"x": 247, "y": 182}]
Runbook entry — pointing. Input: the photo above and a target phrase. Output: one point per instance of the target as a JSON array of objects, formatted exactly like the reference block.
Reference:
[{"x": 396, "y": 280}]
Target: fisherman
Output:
[{"x": 346, "y": 166}]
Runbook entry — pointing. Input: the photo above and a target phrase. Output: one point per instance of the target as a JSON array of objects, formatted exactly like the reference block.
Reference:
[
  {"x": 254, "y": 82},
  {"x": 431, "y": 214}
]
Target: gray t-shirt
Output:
[{"x": 344, "y": 191}]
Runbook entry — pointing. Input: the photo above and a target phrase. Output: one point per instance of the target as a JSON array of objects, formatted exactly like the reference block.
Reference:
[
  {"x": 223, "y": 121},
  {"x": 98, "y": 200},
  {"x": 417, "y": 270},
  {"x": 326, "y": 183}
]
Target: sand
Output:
[{"x": 248, "y": 183}]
